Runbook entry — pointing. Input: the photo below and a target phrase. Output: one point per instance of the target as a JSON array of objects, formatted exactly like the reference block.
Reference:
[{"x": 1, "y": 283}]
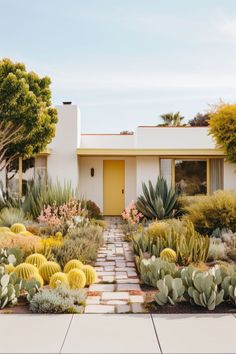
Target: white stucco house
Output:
[{"x": 110, "y": 168}]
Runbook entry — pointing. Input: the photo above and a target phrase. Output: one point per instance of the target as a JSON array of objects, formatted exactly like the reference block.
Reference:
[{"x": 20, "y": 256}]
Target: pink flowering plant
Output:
[
  {"x": 62, "y": 217},
  {"x": 131, "y": 214}
]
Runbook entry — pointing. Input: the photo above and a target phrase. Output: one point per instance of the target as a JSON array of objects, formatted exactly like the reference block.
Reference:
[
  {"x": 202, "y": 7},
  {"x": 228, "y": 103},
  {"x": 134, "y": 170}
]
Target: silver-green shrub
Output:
[{"x": 170, "y": 290}]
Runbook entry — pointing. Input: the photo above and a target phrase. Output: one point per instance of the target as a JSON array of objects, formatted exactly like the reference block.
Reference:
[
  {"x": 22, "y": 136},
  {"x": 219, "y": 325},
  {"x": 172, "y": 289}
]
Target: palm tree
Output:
[{"x": 171, "y": 119}]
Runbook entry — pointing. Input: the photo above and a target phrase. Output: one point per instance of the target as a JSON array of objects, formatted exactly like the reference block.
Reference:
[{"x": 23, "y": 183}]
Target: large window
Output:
[
  {"x": 20, "y": 172},
  {"x": 193, "y": 176}
]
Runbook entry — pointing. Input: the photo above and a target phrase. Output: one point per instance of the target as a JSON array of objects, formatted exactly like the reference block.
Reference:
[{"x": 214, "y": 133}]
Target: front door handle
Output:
[{"x": 122, "y": 191}]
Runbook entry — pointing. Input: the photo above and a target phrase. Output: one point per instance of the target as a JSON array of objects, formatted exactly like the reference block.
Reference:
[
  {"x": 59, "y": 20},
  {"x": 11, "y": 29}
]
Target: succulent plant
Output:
[
  {"x": 153, "y": 269},
  {"x": 10, "y": 288},
  {"x": 203, "y": 288},
  {"x": 12, "y": 256},
  {"x": 90, "y": 273},
  {"x": 157, "y": 202},
  {"x": 229, "y": 287},
  {"x": 9, "y": 268},
  {"x": 17, "y": 228},
  {"x": 72, "y": 264},
  {"x": 76, "y": 278},
  {"x": 26, "y": 233},
  {"x": 170, "y": 290},
  {"x": 25, "y": 271},
  {"x": 168, "y": 255},
  {"x": 58, "y": 279},
  {"x": 4, "y": 229},
  {"x": 47, "y": 269},
  {"x": 36, "y": 259},
  {"x": 37, "y": 277}
]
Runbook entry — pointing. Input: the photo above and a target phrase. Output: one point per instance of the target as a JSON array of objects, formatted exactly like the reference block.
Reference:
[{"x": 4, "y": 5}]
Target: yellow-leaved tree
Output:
[{"x": 223, "y": 128}]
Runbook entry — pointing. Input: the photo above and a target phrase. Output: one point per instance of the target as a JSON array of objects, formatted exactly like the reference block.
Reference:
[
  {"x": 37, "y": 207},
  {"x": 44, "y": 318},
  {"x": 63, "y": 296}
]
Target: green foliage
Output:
[
  {"x": 229, "y": 287},
  {"x": 82, "y": 243},
  {"x": 25, "y": 100},
  {"x": 12, "y": 256},
  {"x": 189, "y": 245},
  {"x": 94, "y": 211},
  {"x": 10, "y": 216},
  {"x": 153, "y": 269},
  {"x": 7, "y": 200},
  {"x": 203, "y": 288},
  {"x": 200, "y": 120},
  {"x": 171, "y": 119},
  {"x": 213, "y": 211},
  {"x": 42, "y": 194},
  {"x": 59, "y": 300},
  {"x": 157, "y": 202},
  {"x": 223, "y": 128},
  {"x": 170, "y": 290}
]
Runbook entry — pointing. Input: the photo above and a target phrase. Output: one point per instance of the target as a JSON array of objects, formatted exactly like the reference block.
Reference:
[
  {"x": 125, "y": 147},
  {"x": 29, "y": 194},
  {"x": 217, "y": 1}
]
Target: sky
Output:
[{"x": 126, "y": 62}]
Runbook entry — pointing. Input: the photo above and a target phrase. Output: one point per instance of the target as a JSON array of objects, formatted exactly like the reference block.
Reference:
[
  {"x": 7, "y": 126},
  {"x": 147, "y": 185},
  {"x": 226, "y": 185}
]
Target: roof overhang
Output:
[
  {"x": 45, "y": 152},
  {"x": 149, "y": 152}
]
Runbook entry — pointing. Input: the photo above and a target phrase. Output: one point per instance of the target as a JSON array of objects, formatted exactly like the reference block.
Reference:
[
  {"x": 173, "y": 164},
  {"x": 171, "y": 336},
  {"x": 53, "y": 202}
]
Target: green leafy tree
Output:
[
  {"x": 25, "y": 102},
  {"x": 171, "y": 119},
  {"x": 200, "y": 120},
  {"x": 223, "y": 128}
]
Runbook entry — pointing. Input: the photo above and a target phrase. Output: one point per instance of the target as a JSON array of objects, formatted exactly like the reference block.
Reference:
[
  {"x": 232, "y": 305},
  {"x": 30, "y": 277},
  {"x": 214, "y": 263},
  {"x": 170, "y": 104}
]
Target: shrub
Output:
[
  {"x": 214, "y": 211},
  {"x": 10, "y": 216},
  {"x": 188, "y": 244},
  {"x": 94, "y": 211},
  {"x": 81, "y": 244},
  {"x": 157, "y": 202},
  {"x": 59, "y": 300},
  {"x": 41, "y": 194},
  {"x": 131, "y": 214},
  {"x": 26, "y": 244}
]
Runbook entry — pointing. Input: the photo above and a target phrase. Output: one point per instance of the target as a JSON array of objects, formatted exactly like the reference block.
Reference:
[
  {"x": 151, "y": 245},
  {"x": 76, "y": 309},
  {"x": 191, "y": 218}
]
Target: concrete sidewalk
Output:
[{"x": 118, "y": 333}]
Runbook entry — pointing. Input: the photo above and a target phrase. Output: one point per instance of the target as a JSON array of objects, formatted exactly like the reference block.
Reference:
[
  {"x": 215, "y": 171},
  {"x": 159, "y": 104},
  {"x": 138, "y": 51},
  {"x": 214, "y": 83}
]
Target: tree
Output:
[
  {"x": 8, "y": 132},
  {"x": 25, "y": 103},
  {"x": 126, "y": 132},
  {"x": 171, "y": 119},
  {"x": 200, "y": 120},
  {"x": 223, "y": 128}
]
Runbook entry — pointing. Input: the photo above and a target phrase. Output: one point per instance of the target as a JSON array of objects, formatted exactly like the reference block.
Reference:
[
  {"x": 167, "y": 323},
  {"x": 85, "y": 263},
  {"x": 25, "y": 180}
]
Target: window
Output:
[
  {"x": 20, "y": 172},
  {"x": 193, "y": 176}
]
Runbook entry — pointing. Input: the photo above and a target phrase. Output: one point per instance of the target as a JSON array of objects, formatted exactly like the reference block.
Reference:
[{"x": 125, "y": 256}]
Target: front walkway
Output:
[
  {"x": 120, "y": 334},
  {"x": 118, "y": 289}
]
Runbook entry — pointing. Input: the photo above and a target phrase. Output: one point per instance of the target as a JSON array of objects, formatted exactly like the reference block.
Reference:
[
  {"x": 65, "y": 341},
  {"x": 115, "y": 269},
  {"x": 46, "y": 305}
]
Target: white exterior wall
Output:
[
  {"x": 107, "y": 141},
  {"x": 62, "y": 162},
  {"x": 147, "y": 169},
  {"x": 92, "y": 187},
  {"x": 230, "y": 176}
]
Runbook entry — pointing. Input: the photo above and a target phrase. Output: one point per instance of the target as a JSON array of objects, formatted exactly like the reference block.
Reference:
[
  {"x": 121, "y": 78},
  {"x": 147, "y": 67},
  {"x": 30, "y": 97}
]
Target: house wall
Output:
[
  {"x": 62, "y": 162},
  {"x": 230, "y": 176},
  {"x": 92, "y": 187},
  {"x": 147, "y": 169}
]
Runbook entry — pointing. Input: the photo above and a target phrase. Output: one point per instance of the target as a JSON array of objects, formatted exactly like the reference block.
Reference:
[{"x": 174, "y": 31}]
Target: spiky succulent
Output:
[
  {"x": 36, "y": 259},
  {"x": 17, "y": 228},
  {"x": 168, "y": 255},
  {"x": 76, "y": 278},
  {"x": 47, "y": 269},
  {"x": 157, "y": 202},
  {"x": 58, "y": 279},
  {"x": 72, "y": 264},
  {"x": 25, "y": 271},
  {"x": 90, "y": 274}
]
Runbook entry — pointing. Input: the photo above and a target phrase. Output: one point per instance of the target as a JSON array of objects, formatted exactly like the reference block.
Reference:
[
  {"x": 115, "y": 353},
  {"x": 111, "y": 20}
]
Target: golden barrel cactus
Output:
[
  {"x": 25, "y": 271},
  {"x": 73, "y": 264},
  {"x": 4, "y": 229},
  {"x": 47, "y": 269},
  {"x": 26, "y": 233},
  {"x": 58, "y": 279},
  {"x": 168, "y": 255},
  {"x": 90, "y": 273},
  {"x": 38, "y": 278},
  {"x": 17, "y": 228},
  {"x": 9, "y": 268},
  {"x": 76, "y": 278},
  {"x": 36, "y": 259}
]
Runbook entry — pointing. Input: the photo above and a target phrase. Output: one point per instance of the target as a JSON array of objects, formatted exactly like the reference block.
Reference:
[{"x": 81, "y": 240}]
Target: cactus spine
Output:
[
  {"x": 47, "y": 269},
  {"x": 76, "y": 278},
  {"x": 36, "y": 259},
  {"x": 74, "y": 263},
  {"x": 25, "y": 271},
  {"x": 168, "y": 255}
]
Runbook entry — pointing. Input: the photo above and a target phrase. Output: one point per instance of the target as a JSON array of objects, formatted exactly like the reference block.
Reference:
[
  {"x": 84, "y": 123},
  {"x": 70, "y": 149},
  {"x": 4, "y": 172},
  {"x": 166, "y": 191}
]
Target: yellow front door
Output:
[{"x": 113, "y": 187}]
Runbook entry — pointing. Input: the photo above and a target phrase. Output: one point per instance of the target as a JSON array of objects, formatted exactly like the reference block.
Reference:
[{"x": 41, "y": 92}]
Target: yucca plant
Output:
[{"x": 157, "y": 202}]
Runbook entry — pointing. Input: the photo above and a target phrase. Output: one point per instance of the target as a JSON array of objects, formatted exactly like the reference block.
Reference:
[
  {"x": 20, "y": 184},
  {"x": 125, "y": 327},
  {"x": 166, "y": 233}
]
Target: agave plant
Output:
[{"x": 157, "y": 202}]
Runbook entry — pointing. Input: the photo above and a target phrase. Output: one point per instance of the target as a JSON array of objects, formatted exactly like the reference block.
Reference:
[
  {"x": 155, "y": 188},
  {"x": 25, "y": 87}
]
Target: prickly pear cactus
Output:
[
  {"x": 10, "y": 288},
  {"x": 154, "y": 269},
  {"x": 229, "y": 286}
]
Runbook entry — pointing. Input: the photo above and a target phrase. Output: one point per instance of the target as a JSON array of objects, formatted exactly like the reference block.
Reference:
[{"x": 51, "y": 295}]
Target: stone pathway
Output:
[{"x": 118, "y": 289}]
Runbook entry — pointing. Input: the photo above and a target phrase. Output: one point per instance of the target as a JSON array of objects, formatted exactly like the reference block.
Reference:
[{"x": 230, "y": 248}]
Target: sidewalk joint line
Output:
[
  {"x": 67, "y": 331},
  {"x": 155, "y": 330}
]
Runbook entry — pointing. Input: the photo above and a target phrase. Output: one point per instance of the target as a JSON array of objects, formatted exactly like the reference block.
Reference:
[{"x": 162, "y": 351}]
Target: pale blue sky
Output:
[{"x": 125, "y": 62}]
